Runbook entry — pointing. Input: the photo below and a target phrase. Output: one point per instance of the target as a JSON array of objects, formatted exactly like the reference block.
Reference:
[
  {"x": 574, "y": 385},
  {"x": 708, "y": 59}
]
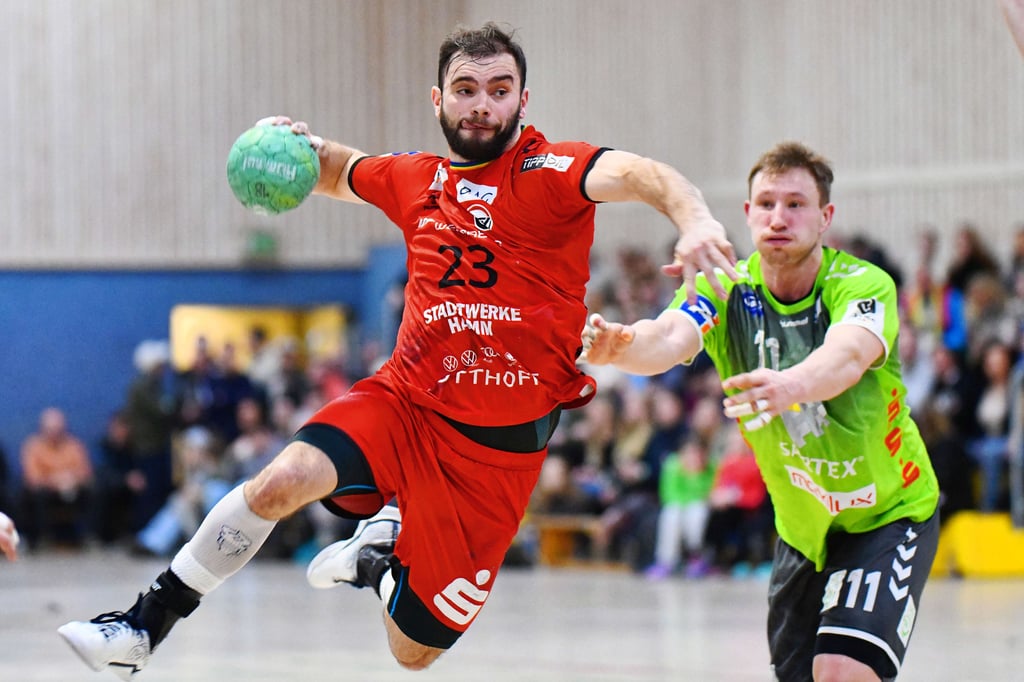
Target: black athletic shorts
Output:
[{"x": 862, "y": 605}]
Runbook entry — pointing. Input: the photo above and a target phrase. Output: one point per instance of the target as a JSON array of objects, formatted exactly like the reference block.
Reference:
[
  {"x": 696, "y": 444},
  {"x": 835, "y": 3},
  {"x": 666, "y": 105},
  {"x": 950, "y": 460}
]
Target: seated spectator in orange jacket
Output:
[{"x": 58, "y": 478}]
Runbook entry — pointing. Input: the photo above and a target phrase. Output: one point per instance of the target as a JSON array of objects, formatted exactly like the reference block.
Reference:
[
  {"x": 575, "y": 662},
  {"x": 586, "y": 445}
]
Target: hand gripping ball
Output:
[{"x": 271, "y": 169}]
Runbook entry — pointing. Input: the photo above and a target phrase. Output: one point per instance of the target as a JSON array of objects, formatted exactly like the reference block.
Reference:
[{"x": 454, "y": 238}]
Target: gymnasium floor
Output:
[{"x": 266, "y": 625}]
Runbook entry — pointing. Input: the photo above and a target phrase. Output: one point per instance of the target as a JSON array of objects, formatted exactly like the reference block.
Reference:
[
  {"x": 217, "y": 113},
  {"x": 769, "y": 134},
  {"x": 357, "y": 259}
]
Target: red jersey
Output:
[{"x": 498, "y": 263}]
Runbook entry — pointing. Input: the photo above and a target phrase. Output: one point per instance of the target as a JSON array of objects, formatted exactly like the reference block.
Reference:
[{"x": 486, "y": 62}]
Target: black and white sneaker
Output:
[
  {"x": 373, "y": 539},
  {"x": 111, "y": 640}
]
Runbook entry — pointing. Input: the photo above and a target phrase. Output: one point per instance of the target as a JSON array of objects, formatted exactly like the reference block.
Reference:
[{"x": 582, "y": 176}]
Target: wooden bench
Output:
[{"x": 559, "y": 537}]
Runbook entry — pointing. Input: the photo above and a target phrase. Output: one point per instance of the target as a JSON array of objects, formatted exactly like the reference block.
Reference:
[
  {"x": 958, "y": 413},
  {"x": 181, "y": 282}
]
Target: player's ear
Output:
[
  {"x": 435, "y": 98},
  {"x": 826, "y": 215},
  {"x": 522, "y": 102}
]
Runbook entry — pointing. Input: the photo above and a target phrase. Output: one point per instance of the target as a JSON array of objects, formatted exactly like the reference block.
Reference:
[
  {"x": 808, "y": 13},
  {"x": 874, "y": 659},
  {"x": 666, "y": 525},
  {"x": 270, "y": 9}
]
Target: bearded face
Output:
[{"x": 478, "y": 140}]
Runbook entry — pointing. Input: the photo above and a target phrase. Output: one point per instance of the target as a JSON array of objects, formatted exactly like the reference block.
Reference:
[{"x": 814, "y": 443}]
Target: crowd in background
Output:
[
  {"x": 670, "y": 478},
  {"x": 674, "y": 486},
  {"x": 181, "y": 440}
]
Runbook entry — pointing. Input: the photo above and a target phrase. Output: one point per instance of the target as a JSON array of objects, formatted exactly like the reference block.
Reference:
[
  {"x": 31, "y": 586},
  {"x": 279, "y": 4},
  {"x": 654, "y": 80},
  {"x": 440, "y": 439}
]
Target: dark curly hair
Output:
[{"x": 487, "y": 41}]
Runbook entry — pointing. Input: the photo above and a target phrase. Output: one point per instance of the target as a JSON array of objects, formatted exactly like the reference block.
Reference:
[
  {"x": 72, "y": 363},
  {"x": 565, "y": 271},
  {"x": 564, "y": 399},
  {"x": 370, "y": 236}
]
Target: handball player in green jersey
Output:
[{"x": 805, "y": 341}]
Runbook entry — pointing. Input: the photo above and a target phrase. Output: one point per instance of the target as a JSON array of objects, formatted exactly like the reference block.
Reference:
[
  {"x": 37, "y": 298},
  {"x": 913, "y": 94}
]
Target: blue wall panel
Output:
[{"x": 67, "y": 338}]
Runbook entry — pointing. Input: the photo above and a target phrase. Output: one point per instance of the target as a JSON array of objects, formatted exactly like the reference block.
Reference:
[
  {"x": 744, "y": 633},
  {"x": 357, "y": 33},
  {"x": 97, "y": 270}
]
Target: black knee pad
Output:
[{"x": 356, "y": 496}]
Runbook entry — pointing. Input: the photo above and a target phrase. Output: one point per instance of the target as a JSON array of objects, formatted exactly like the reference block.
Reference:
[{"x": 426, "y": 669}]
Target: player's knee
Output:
[
  {"x": 419, "y": 660},
  {"x": 299, "y": 475},
  {"x": 409, "y": 653}
]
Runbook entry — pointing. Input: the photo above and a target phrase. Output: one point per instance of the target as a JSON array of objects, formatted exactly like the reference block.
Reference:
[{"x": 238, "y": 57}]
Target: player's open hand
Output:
[
  {"x": 763, "y": 395},
  {"x": 298, "y": 127},
  {"x": 604, "y": 342},
  {"x": 704, "y": 247},
  {"x": 8, "y": 537}
]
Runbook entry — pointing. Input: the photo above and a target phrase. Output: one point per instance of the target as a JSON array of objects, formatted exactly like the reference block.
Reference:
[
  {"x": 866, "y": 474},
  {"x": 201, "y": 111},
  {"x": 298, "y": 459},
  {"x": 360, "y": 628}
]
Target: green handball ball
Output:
[{"x": 271, "y": 169}]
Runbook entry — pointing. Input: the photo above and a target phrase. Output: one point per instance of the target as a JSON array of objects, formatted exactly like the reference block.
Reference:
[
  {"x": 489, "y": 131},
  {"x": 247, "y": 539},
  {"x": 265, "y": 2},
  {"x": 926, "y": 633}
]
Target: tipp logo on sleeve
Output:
[{"x": 703, "y": 313}]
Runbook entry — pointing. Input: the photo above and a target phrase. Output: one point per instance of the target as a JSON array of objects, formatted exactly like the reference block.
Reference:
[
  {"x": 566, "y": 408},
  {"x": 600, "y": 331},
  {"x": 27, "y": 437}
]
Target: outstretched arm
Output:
[
  {"x": 703, "y": 244},
  {"x": 644, "y": 347},
  {"x": 336, "y": 160},
  {"x": 1013, "y": 10}
]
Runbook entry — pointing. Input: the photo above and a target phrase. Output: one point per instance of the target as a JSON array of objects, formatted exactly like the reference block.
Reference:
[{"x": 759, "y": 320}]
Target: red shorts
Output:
[{"x": 461, "y": 503}]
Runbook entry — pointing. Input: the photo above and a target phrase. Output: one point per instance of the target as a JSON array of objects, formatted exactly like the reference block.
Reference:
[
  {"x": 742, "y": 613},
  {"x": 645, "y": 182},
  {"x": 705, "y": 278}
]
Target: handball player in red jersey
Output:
[{"x": 454, "y": 427}]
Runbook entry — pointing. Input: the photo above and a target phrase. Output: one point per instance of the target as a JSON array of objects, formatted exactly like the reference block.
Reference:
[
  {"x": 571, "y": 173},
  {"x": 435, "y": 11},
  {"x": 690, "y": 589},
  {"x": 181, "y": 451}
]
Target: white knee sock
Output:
[{"x": 226, "y": 540}]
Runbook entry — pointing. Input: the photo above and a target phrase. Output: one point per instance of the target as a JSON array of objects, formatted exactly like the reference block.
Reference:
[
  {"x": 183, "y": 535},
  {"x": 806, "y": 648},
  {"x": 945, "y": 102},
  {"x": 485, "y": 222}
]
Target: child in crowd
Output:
[{"x": 684, "y": 487}]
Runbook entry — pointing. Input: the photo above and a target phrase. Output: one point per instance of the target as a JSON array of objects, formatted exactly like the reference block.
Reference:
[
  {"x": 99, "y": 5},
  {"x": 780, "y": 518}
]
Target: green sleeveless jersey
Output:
[{"x": 853, "y": 463}]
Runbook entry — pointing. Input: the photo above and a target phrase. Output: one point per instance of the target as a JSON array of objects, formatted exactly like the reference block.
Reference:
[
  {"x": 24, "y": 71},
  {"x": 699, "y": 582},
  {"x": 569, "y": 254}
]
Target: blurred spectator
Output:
[
  {"x": 954, "y": 392},
  {"x": 633, "y": 432},
  {"x": 670, "y": 427},
  {"x": 119, "y": 481},
  {"x": 265, "y": 365},
  {"x": 629, "y": 521},
  {"x": 1015, "y": 445},
  {"x": 195, "y": 386},
  {"x": 684, "y": 488},
  {"x": 989, "y": 448},
  {"x": 293, "y": 380},
  {"x": 203, "y": 481},
  {"x": 953, "y": 468},
  {"x": 588, "y": 448},
  {"x": 6, "y": 484},
  {"x": 640, "y": 290},
  {"x": 283, "y": 411},
  {"x": 1015, "y": 304},
  {"x": 150, "y": 411},
  {"x": 988, "y": 317},
  {"x": 709, "y": 424},
  {"x": 329, "y": 376},
  {"x": 954, "y": 322},
  {"x": 970, "y": 257},
  {"x": 924, "y": 309},
  {"x": 58, "y": 479},
  {"x": 741, "y": 520},
  {"x": 228, "y": 386},
  {"x": 1016, "y": 257},
  {"x": 256, "y": 443},
  {"x": 557, "y": 491},
  {"x": 862, "y": 247},
  {"x": 918, "y": 369}
]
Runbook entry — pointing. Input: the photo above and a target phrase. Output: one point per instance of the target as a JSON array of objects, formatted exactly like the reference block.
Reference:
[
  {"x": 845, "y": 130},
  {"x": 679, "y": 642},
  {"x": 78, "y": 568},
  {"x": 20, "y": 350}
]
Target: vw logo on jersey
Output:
[
  {"x": 481, "y": 217},
  {"x": 450, "y": 363},
  {"x": 468, "y": 358}
]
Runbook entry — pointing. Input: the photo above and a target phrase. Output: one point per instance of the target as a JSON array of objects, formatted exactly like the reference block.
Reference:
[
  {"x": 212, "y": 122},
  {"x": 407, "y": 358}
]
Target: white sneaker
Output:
[
  {"x": 109, "y": 641},
  {"x": 337, "y": 563}
]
